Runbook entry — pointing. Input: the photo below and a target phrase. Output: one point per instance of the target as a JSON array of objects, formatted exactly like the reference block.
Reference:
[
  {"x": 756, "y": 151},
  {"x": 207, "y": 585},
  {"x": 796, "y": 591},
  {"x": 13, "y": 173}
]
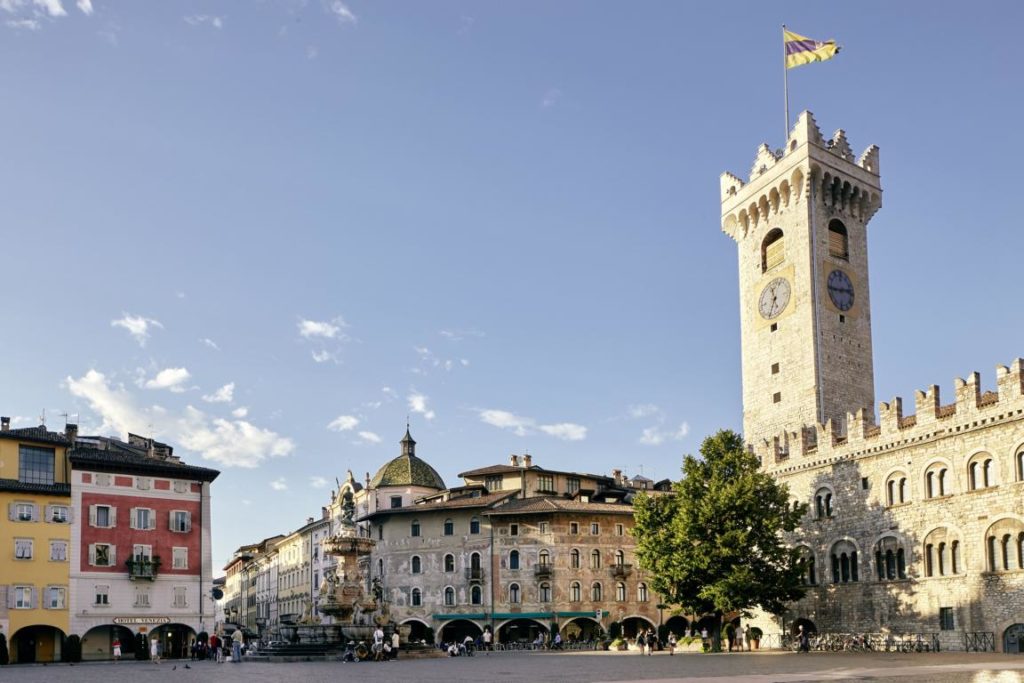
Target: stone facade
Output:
[{"x": 916, "y": 522}]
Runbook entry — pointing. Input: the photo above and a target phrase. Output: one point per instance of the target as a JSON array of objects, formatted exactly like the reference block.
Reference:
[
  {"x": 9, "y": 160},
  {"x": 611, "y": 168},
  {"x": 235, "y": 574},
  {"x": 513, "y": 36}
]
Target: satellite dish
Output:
[{"x": 217, "y": 593}]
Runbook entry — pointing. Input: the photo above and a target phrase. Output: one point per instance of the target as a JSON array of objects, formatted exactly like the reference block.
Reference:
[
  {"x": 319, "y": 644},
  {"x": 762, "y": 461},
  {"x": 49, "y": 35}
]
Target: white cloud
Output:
[
  {"x": 418, "y": 404},
  {"x": 199, "y": 19},
  {"x": 566, "y": 431},
  {"x": 389, "y": 392},
  {"x": 341, "y": 12},
  {"x": 27, "y": 24},
  {"x": 138, "y": 327},
  {"x": 240, "y": 412},
  {"x": 53, "y": 7},
  {"x": 459, "y": 335},
  {"x": 85, "y": 6},
  {"x": 318, "y": 482},
  {"x": 169, "y": 378},
  {"x": 325, "y": 329},
  {"x": 209, "y": 342},
  {"x": 343, "y": 423},
  {"x": 505, "y": 420},
  {"x": 644, "y": 410},
  {"x": 323, "y": 356},
  {"x": 279, "y": 484},
  {"x": 231, "y": 443},
  {"x": 551, "y": 98},
  {"x": 655, "y": 436},
  {"x": 369, "y": 437},
  {"x": 226, "y": 394}
]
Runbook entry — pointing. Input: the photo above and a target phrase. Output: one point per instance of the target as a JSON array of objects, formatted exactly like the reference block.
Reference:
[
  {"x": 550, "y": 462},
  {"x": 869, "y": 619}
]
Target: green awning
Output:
[
  {"x": 452, "y": 617},
  {"x": 523, "y": 615}
]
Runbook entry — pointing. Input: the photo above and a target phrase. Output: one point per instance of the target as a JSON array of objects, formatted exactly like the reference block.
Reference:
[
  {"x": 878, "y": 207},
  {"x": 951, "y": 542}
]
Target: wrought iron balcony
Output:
[
  {"x": 621, "y": 571},
  {"x": 144, "y": 568},
  {"x": 542, "y": 570},
  {"x": 475, "y": 573}
]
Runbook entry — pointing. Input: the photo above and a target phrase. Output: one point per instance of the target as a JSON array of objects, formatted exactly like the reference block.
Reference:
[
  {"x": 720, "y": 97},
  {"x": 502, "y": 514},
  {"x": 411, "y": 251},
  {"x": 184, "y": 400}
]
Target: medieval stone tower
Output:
[{"x": 800, "y": 225}]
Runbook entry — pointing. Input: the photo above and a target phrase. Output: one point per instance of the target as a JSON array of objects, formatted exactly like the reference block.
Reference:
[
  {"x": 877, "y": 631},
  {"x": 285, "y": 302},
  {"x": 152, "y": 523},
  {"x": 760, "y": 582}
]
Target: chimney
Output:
[
  {"x": 5, "y": 424},
  {"x": 527, "y": 460},
  {"x": 309, "y": 520},
  {"x": 513, "y": 460},
  {"x": 71, "y": 432},
  {"x": 617, "y": 476},
  {"x": 323, "y": 510}
]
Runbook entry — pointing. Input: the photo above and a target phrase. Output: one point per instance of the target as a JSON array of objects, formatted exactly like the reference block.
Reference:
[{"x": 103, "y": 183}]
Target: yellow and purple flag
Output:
[{"x": 802, "y": 50}]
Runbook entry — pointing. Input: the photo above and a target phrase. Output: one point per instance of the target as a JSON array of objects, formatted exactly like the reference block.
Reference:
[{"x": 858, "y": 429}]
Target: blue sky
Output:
[{"x": 267, "y": 232}]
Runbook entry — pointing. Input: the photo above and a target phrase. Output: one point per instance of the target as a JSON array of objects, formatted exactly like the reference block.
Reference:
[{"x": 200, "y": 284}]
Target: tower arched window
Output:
[
  {"x": 1005, "y": 545},
  {"x": 773, "y": 250},
  {"x": 936, "y": 483},
  {"x": 449, "y": 563},
  {"x": 476, "y": 595},
  {"x": 513, "y": 559},
  {"x": 838, "y": 240},
  {"x": 1020, "y": 465},
  {"x": 575, "y": 593},
  {"x": 844, "y": 563},
  {"x": 449, "y": 596},
  {"x": 810, "y": 575},
  {"x": 574, "y": 558},
  {"x": 890, "y": 559},
  {"x": 595, "y": 592},
  {"x": 823, "y": 503},
  {"x": 981, "y": 472},
  {"x": 417, "y": 597},
  {"x": 513, "y": 593},
  {"x": 620, "y": 592}
]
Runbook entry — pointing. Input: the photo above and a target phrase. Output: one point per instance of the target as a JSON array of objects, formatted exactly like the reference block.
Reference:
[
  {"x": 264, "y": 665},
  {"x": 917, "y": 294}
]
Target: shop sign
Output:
[{"x": 133, "y": 621}]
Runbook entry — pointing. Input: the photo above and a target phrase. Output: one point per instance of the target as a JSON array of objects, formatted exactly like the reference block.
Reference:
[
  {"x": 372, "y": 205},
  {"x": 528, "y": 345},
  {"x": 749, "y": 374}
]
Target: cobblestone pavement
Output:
[{"x": 534, "y": 667}]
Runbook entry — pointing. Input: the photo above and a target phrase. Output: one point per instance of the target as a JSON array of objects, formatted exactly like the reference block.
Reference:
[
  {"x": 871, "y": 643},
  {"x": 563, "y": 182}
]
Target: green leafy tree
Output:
[{"x": 716, "y": 545}]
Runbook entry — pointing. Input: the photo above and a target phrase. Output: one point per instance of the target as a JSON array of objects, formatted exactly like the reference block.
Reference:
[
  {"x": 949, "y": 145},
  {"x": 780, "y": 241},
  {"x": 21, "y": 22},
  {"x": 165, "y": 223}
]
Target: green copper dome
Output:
[{"x": 407, "y": 470}]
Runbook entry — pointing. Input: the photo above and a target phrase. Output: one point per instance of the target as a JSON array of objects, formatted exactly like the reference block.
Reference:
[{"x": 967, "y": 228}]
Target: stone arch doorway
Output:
[
  {"x": 175, "y": 640},
  {"x": 98, "y": 643},
  {"x": 580, "y": 628},
  {"x": 413, "y": 631},
  {"x": 631, "y": 626},
  {"x": 36, "y": 644},
  {"x": 809, "y": 627},
  {"x": 521, "y": 631},
  {"x": 678, "y": 625},
  {"x": 457, "y": 630},
  {"x": 1013, "y": 640}
]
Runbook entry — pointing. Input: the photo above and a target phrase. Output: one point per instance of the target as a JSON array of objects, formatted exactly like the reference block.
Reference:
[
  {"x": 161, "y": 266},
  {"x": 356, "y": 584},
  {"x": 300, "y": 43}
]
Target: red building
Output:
[{"x": 140, "y": 549}]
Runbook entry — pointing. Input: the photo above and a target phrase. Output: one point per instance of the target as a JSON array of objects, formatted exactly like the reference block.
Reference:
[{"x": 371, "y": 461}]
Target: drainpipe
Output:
[{"x": 494, "y": 635}]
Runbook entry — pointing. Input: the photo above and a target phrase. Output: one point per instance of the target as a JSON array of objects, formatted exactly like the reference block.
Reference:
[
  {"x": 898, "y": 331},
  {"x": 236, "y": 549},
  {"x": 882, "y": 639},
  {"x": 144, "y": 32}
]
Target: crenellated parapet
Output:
[
  {"x": 809, "y": 165},
  {"x": 859, "y": 435}
]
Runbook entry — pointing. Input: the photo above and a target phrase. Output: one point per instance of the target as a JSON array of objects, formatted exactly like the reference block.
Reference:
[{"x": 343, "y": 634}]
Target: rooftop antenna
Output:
[
  {"x": 65, "y": 416},
  {"x": 42, "y": 418}
]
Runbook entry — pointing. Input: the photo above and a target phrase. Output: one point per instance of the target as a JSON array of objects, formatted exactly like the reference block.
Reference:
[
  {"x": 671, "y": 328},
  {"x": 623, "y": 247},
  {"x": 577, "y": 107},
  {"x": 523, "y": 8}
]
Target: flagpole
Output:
[{"x": 785, "y": 83}]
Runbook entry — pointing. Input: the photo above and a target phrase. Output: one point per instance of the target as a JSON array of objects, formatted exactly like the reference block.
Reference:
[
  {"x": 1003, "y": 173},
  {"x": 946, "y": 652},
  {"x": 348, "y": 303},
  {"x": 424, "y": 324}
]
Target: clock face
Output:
[
  {"x": 774, "y": 298},
  {"x": 840, "y": 290}
]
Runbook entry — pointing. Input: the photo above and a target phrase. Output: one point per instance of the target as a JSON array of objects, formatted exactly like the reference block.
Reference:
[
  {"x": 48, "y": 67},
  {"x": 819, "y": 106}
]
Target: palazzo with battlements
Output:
[{"x": 915, "y": 522}]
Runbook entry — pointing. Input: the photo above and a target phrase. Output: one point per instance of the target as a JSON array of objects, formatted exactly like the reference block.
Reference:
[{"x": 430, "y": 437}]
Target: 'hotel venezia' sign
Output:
[{"x": 128, "y": 621}]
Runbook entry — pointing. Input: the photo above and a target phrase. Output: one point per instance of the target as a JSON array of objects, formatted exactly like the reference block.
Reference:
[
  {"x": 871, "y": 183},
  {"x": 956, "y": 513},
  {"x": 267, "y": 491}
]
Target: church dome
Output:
[{"x": 407, "y": 470}]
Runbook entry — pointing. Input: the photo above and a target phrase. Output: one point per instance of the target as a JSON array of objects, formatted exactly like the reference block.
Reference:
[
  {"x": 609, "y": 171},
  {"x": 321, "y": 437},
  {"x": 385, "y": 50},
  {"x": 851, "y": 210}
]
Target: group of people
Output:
[{"x": 384, "y": 648}]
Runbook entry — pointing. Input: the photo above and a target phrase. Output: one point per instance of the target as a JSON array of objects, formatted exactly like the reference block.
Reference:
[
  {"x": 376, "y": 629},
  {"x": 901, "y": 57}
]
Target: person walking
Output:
[
  {"x": 117, "y": 648},
  {"x": 487, "y": 639},
  {"x": 746, "y": 636},
  {"x": 652, "y": 640},
  {"x": 394, "y": 644},
  {"x": 236, "y": 646},
  {"x": 641, "y": 642},
  {"x": 740, "y": 637},
  {"x": 671, "y": 644},
  {"x": 154, "y": 650}
]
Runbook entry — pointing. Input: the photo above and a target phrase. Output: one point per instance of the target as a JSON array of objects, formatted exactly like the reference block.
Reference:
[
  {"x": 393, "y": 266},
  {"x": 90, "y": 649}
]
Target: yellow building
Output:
[{"x": 35, "y": 538}]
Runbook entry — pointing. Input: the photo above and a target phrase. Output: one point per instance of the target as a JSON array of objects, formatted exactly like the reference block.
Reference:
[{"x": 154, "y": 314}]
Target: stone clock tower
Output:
[{"x": 800, "y": 226}]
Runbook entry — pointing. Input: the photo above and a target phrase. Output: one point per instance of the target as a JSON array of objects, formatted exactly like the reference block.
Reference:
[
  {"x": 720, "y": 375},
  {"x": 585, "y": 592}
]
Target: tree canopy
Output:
[{"x": 716, "y": 545}]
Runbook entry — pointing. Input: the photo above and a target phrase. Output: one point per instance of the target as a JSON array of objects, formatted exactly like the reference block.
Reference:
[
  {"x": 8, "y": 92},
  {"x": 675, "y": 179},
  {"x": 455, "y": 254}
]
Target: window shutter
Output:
[
  {"x": 12, "y": 513},
  {"x": 33, "y": 597},
  {"x": 35, "y": 512},
  {"x": 46, "y": 598},
  {"x": 92, "y": 515},
  {"x": 92, "y": 554},
  {"x": 11, "y": 592},
  {"x": 71, "y": 515},
  {"x": 132, "y": 515},
  {"x": 113, "y": 516},
  {"x": 113, "y": 556},
  {"x": 49, "y": 513},
  {"x": 188, "y": 521},
  {"x": 170, "y": 520},
  {"x": 152, "y": 519}
]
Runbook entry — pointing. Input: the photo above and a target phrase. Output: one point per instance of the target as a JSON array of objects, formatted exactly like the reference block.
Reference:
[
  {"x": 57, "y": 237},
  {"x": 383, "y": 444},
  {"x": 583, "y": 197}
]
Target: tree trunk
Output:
[{"x": 716, "y": 634}]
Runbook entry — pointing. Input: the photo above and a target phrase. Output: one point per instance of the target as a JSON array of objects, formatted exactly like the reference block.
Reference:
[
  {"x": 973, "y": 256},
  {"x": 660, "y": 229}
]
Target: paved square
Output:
[{"x": 533, "y": 667}]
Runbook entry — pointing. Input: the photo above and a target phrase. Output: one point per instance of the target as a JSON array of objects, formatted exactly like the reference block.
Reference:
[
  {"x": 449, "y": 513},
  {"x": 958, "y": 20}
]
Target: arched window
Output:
[
  {"x": 1020, "y": 465},
  {"x": 936, "y": 484},
  {"x": 380, "y": 567},
  {"x": 545, "y": 592},
  {"x": 810, "y": 575},
  {"x": 574, "y": 558},
  {"x": 972, "y": 472},
  {"x": 844, "y": 563},
  {"x": 595, "y": 559},
  {"x": 620, "y": 592},
  {"x": 544, "y": 558},
  {"x": 890, "y": 560},
  {"x": 1005, "y": 545},
  {"x": 449, "y": 563},
  {"x": 449, "y": 527},
  {"x": 620, "y": 558},
  {"x": 474, "y": 525},
  {"x": 513, "y": 559},
  {"x": 474, "y": 561},
  {"x": 414, "y": 530},
  {"x": 955, "y": 564},
  {"x": 896, "y": 489},
  {"x": 476, "y": 595},
  {"x": 838, "y": 240},
  {"x": 773, "y": 250},
  {"x": 942, "y": 553},
  {"x": 575, "y": 594},
  {"x": 417, "y": 597},
  {"x": 449, "y": 596},
  {"x": 823, "y": 503},
  {"x": 641, "y": 592},
  {"x": 981, "y": 472},
  {"x": 942, "y": 481},
  {"x": 513, "y": 593},
  {"x": 595, "y": 592}
]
